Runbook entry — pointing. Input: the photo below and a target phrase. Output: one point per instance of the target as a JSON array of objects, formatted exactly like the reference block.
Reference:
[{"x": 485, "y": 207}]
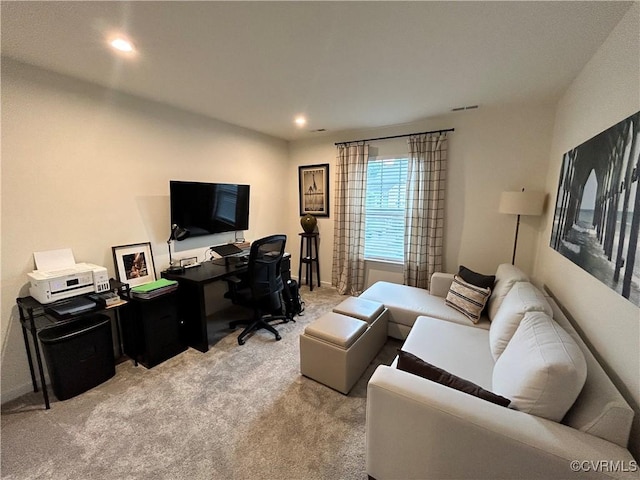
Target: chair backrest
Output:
[{"x": 263, "y": 272}]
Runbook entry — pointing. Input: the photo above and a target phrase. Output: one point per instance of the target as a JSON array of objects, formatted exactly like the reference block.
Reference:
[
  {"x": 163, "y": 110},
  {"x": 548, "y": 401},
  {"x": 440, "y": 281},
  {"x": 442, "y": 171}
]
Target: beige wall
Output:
[
  {"x": 606, "y": 91},
  {"x": 87, "y": 168},
  {"x": 491, "y": 150}
]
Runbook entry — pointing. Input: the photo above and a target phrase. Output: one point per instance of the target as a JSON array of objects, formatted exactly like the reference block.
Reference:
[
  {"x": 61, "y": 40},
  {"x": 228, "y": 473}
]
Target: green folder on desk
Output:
[{"x": 150, "y": 287}]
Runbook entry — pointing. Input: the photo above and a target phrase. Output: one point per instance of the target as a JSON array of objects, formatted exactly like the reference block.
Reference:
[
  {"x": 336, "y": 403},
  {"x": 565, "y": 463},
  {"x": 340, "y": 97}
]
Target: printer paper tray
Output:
[{"x": 70, "y": 307}]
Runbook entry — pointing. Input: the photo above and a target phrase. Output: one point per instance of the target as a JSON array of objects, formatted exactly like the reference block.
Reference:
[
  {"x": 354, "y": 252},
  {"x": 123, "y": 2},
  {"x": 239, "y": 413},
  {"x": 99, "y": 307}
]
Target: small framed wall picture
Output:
[
  {"x": 134, "y": 263},
  {"x": 313, "y": 184}
]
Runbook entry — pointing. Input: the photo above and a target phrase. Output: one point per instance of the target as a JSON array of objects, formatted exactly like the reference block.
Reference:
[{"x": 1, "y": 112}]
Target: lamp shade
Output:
[
  {"x": 178, "y": 233},
  {"x": 522, "y": 203}
]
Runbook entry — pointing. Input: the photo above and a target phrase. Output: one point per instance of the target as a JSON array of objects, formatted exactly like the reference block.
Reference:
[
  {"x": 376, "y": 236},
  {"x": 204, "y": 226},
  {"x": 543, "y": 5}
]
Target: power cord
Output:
[{"x": 209, "y": 250}]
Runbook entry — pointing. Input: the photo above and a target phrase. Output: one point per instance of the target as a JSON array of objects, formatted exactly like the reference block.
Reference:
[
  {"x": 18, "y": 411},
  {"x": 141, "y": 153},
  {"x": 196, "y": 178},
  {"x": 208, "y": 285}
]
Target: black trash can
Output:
[{"x": 79, "y": 354}]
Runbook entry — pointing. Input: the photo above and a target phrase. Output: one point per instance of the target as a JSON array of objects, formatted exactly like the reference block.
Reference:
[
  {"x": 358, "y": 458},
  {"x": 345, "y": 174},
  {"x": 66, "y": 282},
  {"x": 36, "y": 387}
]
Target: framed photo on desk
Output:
[{"x": 134, "y": 263}]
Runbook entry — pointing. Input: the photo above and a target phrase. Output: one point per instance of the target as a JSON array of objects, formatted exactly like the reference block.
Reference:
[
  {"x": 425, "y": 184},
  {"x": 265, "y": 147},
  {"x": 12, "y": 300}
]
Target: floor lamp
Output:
[{"x": 521, "y": 203}]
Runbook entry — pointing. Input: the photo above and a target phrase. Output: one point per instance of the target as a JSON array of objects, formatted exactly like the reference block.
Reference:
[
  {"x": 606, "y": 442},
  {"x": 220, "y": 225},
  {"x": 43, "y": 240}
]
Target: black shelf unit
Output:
[{"x": 34, "y": 317}]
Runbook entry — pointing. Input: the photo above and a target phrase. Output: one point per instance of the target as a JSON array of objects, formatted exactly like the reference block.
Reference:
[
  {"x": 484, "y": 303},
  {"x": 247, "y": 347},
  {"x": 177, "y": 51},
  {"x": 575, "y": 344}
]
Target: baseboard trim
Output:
[
  {"x": 322, "y": 283},
  {"x": 16, "y": 392}
]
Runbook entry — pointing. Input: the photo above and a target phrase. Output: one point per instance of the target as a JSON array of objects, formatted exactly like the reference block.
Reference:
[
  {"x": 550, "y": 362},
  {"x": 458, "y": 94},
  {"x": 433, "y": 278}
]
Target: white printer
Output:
[{"x": 62, "y": 278}]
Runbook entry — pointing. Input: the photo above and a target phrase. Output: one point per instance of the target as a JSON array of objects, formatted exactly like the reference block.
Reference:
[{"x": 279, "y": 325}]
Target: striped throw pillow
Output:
[{"x": 467, "y": 298}]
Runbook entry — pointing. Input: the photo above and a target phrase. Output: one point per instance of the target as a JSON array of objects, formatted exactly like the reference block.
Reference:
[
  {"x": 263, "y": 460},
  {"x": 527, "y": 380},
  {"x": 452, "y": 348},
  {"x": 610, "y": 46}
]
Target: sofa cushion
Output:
[
  {"x": 477, "y": 279},
  {"x": 406, "y": 303},
  {"x": 522, "y": 298},
  {"x": 462, "y": 350},
  {"x": 415, "y": 365},
  {"x": 506, "y": 276},
  {"x": 542, "y": 370},
  {"x": 468, "y": 299}
]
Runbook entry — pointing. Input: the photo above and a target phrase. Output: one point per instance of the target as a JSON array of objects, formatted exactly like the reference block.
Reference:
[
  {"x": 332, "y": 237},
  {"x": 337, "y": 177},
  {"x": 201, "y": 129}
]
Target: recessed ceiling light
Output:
[
  {"x": 122, "y": 44},
  {"x": 300, "y": 121}
]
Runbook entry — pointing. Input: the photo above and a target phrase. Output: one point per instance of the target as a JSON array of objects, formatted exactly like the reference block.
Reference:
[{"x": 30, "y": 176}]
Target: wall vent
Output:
[{"x": 468, "y": 107}]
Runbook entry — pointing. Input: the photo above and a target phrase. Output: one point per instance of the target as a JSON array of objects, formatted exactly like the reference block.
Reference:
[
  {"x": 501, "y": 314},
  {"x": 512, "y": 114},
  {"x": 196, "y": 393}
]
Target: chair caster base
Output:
[
  {"x": 257, "y": 324},
  {"x": 242, "y": 341}
]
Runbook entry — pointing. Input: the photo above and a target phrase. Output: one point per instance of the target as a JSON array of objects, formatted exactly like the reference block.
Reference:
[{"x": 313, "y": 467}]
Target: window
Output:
[{"x": 385, "y": 209}]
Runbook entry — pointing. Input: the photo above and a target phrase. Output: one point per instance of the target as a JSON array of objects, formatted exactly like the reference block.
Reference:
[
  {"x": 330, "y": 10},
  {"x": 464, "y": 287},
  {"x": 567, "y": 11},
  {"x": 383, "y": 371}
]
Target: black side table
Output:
[{"x": 309, "y": 257}]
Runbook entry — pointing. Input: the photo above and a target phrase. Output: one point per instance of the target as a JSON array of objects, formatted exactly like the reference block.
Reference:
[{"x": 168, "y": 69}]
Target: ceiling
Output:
[{"x": 344, "y": 65}]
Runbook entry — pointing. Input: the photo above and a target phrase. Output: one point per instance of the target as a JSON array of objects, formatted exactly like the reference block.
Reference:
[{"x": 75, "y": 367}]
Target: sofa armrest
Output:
[
  {"x": 440, "y": 284},
  {"x": 420, "y": 429}
]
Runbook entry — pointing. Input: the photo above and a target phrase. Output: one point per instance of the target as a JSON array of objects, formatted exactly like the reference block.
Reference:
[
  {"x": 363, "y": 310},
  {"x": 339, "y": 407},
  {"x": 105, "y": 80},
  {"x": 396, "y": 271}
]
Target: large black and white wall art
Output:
[{"x": 598, "y": 207}]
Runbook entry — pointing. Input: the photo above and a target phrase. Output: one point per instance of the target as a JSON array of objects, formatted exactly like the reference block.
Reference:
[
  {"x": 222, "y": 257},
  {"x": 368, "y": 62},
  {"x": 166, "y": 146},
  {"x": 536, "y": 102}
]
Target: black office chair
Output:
[{"x": 261, "y": 287}]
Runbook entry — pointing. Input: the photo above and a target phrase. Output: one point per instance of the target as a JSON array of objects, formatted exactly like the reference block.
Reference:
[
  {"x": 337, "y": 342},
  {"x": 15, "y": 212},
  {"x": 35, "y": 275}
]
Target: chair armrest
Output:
[
  {"x": 234, "y": 280},
  {"x": 440, "y": 284},
  {"x": 420, "y": 429},
  {"x": 235, "y": 283}
]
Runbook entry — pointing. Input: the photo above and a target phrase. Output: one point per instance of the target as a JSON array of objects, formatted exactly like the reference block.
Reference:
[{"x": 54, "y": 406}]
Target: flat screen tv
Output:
[{"x": 208, "y": 208}]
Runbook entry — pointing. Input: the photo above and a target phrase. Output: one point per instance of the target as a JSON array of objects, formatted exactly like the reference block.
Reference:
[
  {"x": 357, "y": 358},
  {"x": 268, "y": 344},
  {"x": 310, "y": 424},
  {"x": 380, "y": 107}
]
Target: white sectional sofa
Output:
[{"x": 565, "y": 419}]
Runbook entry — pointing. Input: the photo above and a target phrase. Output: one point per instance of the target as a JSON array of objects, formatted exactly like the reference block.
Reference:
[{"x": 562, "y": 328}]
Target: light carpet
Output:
[{"x": 235, "y": 412}]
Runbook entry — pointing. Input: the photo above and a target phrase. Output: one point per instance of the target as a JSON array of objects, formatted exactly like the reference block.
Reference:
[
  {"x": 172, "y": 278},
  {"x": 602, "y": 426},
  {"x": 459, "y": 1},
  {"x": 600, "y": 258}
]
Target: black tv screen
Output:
[{"x": 208, "y": 208}]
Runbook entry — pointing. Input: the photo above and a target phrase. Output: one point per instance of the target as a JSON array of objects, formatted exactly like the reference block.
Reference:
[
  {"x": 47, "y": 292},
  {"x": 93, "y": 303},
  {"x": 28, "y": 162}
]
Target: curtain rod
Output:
[{"x": 395, "y": 136}]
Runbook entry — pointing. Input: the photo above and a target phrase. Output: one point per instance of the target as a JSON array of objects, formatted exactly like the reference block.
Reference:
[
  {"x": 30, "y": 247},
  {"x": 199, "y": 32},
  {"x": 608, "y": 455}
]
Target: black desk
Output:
[{"x": 191, "y": 299}]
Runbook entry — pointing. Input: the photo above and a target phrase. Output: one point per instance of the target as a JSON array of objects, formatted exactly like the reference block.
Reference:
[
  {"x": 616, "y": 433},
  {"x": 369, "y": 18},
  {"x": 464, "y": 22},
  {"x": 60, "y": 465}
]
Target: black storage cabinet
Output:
[
  {"x": 152, "y": 330},
  {"x": 79, "y": 354}
]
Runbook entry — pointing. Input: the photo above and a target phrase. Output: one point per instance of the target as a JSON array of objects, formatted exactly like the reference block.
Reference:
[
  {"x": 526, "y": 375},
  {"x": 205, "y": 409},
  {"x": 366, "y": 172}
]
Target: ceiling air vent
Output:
[{"x": 468, "y": 107}]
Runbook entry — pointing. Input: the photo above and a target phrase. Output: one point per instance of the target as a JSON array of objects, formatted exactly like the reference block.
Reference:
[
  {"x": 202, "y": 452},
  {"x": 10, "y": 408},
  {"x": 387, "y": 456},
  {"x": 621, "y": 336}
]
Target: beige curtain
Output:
[
  {"x": 348, "y": 250},
  {"x": 424, "y": 221}
]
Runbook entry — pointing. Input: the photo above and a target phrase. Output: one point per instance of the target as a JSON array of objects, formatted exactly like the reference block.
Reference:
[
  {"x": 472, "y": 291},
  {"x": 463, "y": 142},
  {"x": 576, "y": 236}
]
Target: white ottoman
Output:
[{"x": 336, "y": 349}]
